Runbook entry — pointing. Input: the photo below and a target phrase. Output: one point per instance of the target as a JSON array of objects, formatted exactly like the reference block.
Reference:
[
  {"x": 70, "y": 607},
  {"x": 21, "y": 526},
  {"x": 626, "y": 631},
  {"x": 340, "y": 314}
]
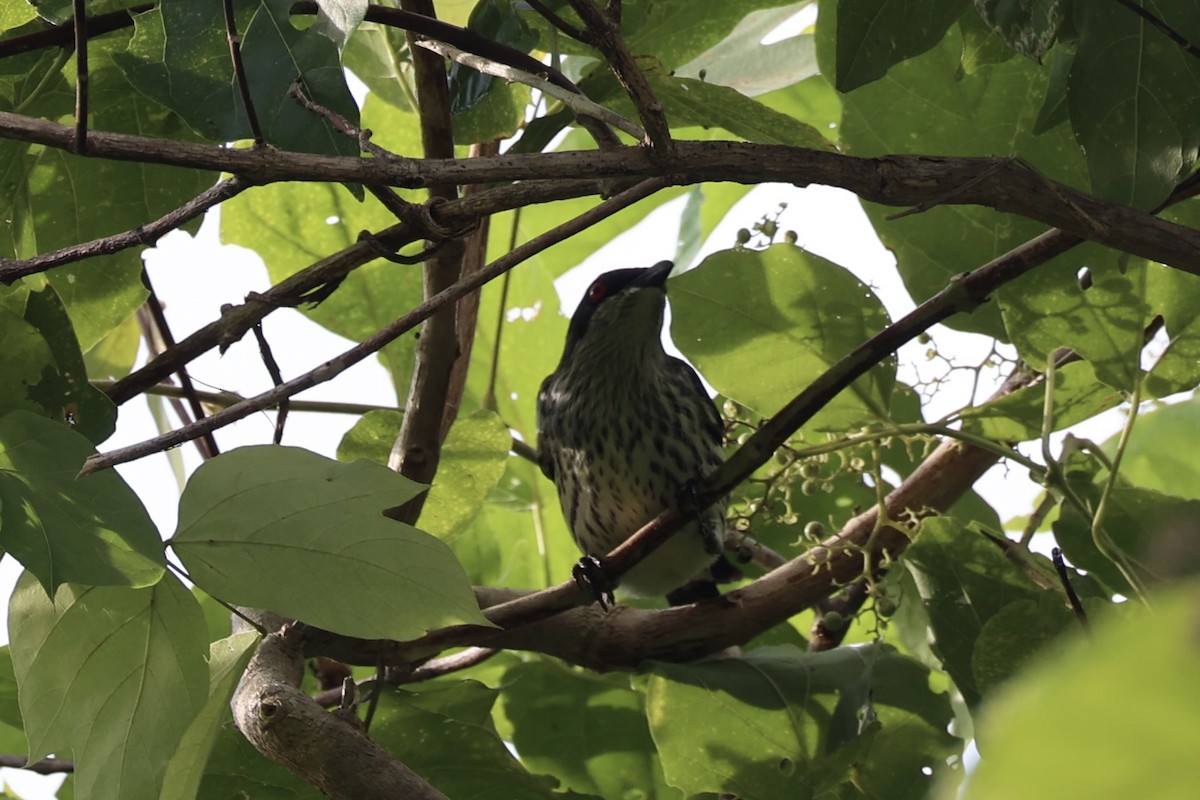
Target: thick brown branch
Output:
[
  {"x": 896, "y": 180},
  {"x": 329, "y": 750},
  {"x": 417, "y": 449}
]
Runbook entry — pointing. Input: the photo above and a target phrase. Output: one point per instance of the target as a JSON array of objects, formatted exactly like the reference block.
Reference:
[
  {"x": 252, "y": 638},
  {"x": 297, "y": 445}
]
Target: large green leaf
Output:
[
  {"x": 1018, "y": 416},
  {"x": 227, "y": 658},
  {"x": 783, "y": 723},
  {"x": 65, "y": 393},
  {"x": 964, "y": 581},
  {"x": 1062, "y": 732},
  {"x": 1104, "y": 323},
  {"x": 1175, "y": 295},
  {"x": 1160, "y": 452},
  {"x": 290, "y": 531},
  {"x": 12, "y": 728},
  {"x": 472, "y": 461},
  {"x": 589, "y": 731},
  {"x": 179, "y": 56},
  {"x": 445, "y": 735},
  {"x": 90, "y": 530},
  {"x": 925, "y": 106},
  {"x": 1134, "y": 99},
  {"x": 860, "y": 40},
  {"x": 742, "y": 62},
  {"x": 74, "y": 199},
  {"x": 111, "y": 674},
  {"x": 804, "y": 311}
]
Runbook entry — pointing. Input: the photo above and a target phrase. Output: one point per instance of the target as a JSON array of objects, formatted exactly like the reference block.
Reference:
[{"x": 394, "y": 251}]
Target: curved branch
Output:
[
  {"x": 1003, "y": 184},
  {"x": 329, "y": 750}
]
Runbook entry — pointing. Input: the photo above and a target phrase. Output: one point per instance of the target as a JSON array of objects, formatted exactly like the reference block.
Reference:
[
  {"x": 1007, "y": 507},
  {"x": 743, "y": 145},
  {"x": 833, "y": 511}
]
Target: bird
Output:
[{"x": 624, "y": 428}]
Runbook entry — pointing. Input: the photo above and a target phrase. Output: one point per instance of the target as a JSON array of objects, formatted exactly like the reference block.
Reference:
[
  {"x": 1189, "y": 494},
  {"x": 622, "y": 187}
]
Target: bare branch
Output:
[
  {"x": 606, "y": 37},
  {"x": 373, "y": 343},
  {"x": 897, "y": 180},
  {"x": 283, "y": 723},
  {"x": 580, "y": 104},
  {"x": 79, "y": 29},
  {"x": 47, "y": 766},
  {"x": 148, "y": 234},
  {"x": 239, "y": 72}
]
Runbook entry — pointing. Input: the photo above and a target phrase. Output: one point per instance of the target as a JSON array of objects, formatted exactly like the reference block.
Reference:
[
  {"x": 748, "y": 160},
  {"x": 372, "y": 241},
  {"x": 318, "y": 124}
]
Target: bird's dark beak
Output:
[{"x": 655, "y": 276}]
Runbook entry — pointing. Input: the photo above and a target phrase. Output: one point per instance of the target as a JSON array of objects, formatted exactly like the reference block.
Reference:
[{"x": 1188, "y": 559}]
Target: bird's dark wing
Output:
[
  {"x": 714, "y": 426},
  {"x": 544, "y": 412}
]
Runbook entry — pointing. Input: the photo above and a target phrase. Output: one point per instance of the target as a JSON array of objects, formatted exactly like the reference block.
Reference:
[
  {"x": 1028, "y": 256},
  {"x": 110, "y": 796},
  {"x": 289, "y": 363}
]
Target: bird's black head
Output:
[{"x": 624, "y": 304}]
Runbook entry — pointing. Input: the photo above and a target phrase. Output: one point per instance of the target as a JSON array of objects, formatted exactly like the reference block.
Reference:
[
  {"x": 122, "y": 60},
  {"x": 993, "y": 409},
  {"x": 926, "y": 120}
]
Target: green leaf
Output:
[
  {"x": 446, "y": 736},
  {"x": 1132, "y": 94},
  {"x": 377, "y": 55},
  {"x": 75, "y": 199},
  {"x": 805, "y": 311},
  {"x": 179, "y": 57},
  {"x": 1145, "y": 527},
  {"x": 1017, "y": 417},
  {"x": 1049, "y": 309},
  {"x": 688, "y": 101},
  {"x": 675, "y": 33},
  {"x": 783, "y": 723},
  {"x": 740, "y": 60},
  {"x": 90, "y": 530},
  {"x": 925, "y": 106},
  {"x": 111, "y": 674},
  {"x": 1015, "y": 633},
  {"x": 1059, "y": 731},
  {"x": 227, "y": 658},
  {"x": 485, "y": 107},
  {"x": 1030, "y": 28},
  {"x": 1054, "y": 107},
  {"x": 588, "y": 731},
  {"x": 472, "y": 461},
  {"x": 337, "y": 19},
  {"x": 964, "y": 581},
  {"x": 14, "y": 13},
  {"x": 113, "y": 356},
  {"x": 1159, "y": 454},
  {"x": 68, "y": 396},
  {"x": 1174, "y": 294},
  {"x": 866, "y": 38},
  {"x": 520, "y": 538},
  {"x": 12, "y": 728},
  {"x": 263, "y": 526}
]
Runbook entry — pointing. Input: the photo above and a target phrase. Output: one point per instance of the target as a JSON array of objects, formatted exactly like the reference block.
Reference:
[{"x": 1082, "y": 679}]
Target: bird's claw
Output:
[
  {"x": 589, "y": 576},
  {"x": 688, "y": 501}
]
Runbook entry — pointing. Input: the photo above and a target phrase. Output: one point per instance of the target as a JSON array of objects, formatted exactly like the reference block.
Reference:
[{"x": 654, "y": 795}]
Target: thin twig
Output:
[
  {"x": 1056, "y": 555},
  {"x": 577, "y": 102},
  {"x": 226, "y": 399},
  {"x": 79, "y": 27},
  {"x": 1172, "y": 34},
  {"x": 330, "y": 369},
  {"x": 606, "y": 34},
  {"x": 268, "y": 357},
  {"x": 560, "y": 23},
  {"x": 239, "y": 72},
  {"x": 148, "y": 234},
  {"x": 208, "y": 444},
  {"x": 46, "y": 766}
]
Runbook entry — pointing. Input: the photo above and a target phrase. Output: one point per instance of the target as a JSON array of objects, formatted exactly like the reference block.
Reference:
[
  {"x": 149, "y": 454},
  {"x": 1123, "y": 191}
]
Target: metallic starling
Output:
[{"x": 624, "y": 429}]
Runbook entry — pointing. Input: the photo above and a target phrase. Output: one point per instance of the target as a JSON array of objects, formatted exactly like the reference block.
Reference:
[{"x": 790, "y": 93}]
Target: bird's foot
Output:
[
  {"x": 689, "y": 503},
  {"x": 590, "y": 576}
]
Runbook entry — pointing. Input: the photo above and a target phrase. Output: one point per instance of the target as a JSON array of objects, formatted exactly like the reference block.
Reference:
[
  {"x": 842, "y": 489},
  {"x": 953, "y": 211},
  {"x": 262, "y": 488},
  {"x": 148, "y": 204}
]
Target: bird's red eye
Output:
[{"x": 596, "y": 292}]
